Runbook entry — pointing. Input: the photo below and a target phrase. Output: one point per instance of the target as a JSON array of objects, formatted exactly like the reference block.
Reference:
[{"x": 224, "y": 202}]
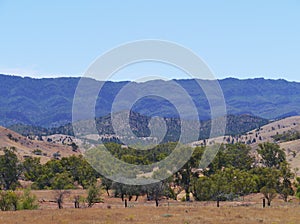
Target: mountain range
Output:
[{"x": 47, "y": 102}]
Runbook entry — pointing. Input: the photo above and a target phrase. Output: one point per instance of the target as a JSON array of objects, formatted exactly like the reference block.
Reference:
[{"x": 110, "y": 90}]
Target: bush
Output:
[
  {"x": 8, "y": 200},
  {"x": 27, "y": 201},
  {"x": 93, "y": 195}
]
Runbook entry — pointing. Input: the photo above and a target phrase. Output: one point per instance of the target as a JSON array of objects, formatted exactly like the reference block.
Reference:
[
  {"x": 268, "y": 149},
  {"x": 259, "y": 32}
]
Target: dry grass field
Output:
[
  {"x": 112, "y": 211},
  {"x": 146, "y": 214}
]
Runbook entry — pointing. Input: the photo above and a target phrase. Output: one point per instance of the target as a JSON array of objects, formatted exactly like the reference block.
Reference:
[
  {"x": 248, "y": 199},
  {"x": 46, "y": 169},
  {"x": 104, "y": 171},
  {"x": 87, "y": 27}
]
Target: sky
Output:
[{"x": 242, "y": 39}]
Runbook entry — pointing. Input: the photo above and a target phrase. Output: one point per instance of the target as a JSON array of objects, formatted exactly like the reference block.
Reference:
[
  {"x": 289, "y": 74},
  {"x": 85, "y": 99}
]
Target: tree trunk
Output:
[
  {"x": 156, "y": 202},
  {"x": 125, "y": 203},
  {"x": 59, "y": 204},
  {"x": 187, "y": 196}
]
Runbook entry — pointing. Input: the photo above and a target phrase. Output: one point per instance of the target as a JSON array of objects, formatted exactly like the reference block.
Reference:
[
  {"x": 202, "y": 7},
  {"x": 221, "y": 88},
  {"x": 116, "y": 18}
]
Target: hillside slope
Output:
[
  {"x": 26, "y": 147},
  {"x": 268, "y": 133}
]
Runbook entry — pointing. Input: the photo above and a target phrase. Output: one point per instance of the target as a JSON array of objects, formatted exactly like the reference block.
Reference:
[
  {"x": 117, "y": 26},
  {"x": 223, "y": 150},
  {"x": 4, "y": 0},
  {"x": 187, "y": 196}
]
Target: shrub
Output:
[
  {"x": 27, "y": 201},
  {"x": 93, "y": 195},
  {"x": 8, "y": 200}
]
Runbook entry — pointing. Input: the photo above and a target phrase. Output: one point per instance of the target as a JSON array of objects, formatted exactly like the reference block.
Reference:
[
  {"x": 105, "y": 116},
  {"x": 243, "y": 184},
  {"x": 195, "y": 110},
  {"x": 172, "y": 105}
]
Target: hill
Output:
[
  {"x": 48, "y": 102},
  {"x": 236, "y": 124},
  {"x": 285, "y": 132},
  {"x": 31, "y": 147}
]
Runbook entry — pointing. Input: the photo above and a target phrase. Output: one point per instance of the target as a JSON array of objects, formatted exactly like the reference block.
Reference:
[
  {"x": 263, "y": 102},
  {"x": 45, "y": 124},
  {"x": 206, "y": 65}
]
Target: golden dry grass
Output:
[
  {"x": 25, "y": 146},
  {"x": 146, "y": 214},
  {"x": 142, "y": 211}
]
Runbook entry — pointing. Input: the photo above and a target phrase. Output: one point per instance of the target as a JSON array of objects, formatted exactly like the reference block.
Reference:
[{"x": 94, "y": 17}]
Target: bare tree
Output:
[{"x": 59, "y": 197}]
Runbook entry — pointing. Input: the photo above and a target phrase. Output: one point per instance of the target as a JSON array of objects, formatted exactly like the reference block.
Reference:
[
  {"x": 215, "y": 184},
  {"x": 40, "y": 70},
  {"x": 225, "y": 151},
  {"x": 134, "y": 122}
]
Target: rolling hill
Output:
[
  {"x": 26, "y": 147},
  {"x": 289, "y": 126}
]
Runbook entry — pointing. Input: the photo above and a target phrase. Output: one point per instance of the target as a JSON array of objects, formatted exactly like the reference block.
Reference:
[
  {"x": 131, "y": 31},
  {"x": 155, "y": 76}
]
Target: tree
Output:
[
  {"x": 93, "y": 195},
  {"x": 202, "y": 188},
  {"x": 270, "y": 181},
  {"x": 240, "y": 182},
  {"x": 221, "y": 186},
  {"x": 63, "y": 181},
  {"x": 107, "y": 184},
  {"x": 271, "y": 154},
  {"x": 123, "y": 190},
  {"x": 59, "y": 197},
  {"x": 285, "y": 188},
  {"x": 32, "y": 168},
  {"x": 10, "y": 169},
  {"x": 238, "y": 156},
  {"x": 269, "y": 194},
  {"x": 77, "y": 200},
  {"x": 185, "y": 174},
  {"x": 156, "y": 190},
  {"x": 81, "y": 171}
]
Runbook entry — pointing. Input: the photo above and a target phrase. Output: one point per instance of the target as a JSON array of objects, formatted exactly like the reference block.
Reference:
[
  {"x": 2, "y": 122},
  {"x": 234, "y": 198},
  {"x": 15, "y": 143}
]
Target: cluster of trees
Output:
[
  {"x": 234, "y": 172},
  {"x": 66, "y": 173}
]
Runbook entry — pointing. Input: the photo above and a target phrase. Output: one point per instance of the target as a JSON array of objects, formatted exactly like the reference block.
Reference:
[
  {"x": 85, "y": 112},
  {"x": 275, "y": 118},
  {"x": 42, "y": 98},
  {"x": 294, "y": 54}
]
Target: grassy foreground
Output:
[{"x": 146, "y": 214}]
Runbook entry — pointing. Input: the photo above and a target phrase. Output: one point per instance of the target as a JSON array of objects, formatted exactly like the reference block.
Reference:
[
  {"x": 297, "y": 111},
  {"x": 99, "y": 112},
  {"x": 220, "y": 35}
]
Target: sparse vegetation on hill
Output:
[
  {"x": 290, "y": 135},
  {"x": 236, "y": 124}
]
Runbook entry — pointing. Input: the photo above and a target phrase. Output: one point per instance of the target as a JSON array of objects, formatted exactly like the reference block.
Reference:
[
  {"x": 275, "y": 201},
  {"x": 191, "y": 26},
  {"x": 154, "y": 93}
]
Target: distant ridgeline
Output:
[
  {"x": 48, "y": 102},
  {"x": 236, "y": 124}
]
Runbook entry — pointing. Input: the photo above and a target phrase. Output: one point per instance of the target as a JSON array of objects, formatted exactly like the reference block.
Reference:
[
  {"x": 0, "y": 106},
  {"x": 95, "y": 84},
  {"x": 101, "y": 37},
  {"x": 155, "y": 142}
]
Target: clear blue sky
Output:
[{"x": 241, "y": 39}]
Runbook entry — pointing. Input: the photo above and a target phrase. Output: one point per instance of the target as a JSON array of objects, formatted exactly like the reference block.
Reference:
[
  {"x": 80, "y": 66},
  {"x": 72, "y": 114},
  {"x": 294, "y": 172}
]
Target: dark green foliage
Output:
[
  {"x": 141, "y": 157},
  {"x": 62, "y": 180},
  {"x": 32, "y": 168},
  {"x": 271, "y": 154},
  {"x": 231, "y": 155},
  {"x": 202, "y": 188},
  {"x": 232, "y": 173},
  {"x": 61, "y": 174},
  {"x": 290, "y": 135},
  {"x": 10, "y": 169},
  {"x": 285, "y": 188}
]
